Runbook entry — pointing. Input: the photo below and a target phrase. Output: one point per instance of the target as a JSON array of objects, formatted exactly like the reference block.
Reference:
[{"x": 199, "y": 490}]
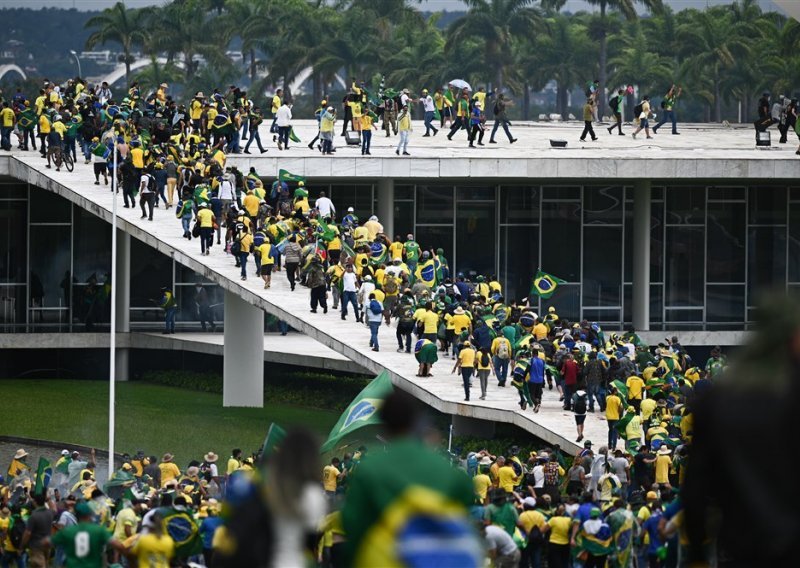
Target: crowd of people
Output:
[{"x": 615, "y": 503}]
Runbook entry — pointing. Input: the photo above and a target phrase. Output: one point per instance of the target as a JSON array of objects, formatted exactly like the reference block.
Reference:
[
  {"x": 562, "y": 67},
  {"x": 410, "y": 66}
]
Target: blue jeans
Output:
[
  {"x": 5, "y": 136},
  {"x": 596, "y": 391},
  {"x": 349, "y": 297},
  {"x": 283, "y": 135},
  {"x": 374, "y": 326},
  {"x": 667, "y": 116},
  {"x": 186, "y": 220},
  {"x": 466, "y": 375},
  {"x": 498, "y": 122},
  {"x": 501, "y": 366},
  {"x": 428, "y": 121},
  {"x": 206, "y": 238},
  {"x": 243, "y": 261},
  {"x": 366, "y": 138},
  {"x": 245, "y": 127},
  {"x": 254, "y": 135},
  {"x": 283, "y": 327},
  {"x": 169, "y": 319},
  {"x": 612, "y": 434},
  {"x": 13, "y": 559}
]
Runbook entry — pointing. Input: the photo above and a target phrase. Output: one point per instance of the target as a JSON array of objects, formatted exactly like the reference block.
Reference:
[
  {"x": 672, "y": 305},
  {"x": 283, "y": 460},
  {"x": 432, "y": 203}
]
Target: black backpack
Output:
[
  {"x": 16, "y": 531},
  {"x": 637, "y": 110},
  {"x": 580, "y": 405},
  {"x": 613, "y": 102}
]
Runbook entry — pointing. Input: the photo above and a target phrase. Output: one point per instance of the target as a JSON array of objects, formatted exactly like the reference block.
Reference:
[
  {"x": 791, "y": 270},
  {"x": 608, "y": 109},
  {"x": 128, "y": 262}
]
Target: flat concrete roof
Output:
[
  {"x": 291, "y": 349},
  {"x": 701, "y": 151},
  {"x": 443, "y": 391}
]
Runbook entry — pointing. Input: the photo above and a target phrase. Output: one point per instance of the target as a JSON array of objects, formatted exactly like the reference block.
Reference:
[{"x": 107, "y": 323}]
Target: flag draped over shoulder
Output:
[
  {"x": 362, "y": 411},
  {"x": 622, "y": 389},
  {"x": 181, "y": 526},
  {"x": 426, "y": 272},
  {"x": 286, "y": 176},
  {"x": 44, "y": 472},
  {"x": 27, "y": 119},
  {"x": 544, "y": 285},
  {"x": 598, "y": 544},
  {"x": 325, "y": 232}
]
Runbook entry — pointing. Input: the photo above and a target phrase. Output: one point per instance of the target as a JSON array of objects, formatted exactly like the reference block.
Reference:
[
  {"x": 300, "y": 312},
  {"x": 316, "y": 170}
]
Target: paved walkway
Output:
[{"x": 444, "y": 391}]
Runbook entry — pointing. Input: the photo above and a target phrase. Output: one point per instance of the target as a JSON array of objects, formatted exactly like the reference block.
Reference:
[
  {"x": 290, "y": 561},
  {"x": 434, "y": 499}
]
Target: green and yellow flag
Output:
[
  {"x": 284, "y": 175},
  {"x": 43, "y": 474},
  {"x": 544, "y": 285},
  {"x": 275, "y": 436},
  {"x": 363, "y": 411},
  {"x": 183, "y": 529}
]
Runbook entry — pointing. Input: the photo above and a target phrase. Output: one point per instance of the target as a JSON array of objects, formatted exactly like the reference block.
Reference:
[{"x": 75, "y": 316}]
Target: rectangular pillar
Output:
[
  {"x": 122, "y": 289},
  {"x": 243, "y": 353},
  {"x": 641, "y": 255},
  {"x": 472, "y": 427},
  {"x": 386, "y": 206}
]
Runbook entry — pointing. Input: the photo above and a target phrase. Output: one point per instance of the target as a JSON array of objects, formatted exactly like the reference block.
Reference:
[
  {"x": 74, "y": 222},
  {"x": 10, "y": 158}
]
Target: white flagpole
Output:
[{"x": 112, "y": 362}]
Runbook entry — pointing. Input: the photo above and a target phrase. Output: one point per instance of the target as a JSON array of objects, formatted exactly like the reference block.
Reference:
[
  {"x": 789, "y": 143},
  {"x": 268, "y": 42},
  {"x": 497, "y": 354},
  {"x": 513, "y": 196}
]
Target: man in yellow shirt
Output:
[
  {"x": 482, "y": 482},
  {"x": 396, "y": 248},
  {"x": 331, "y": 475},
  {"x": 169, "y": 470},
  {"x": 635, "y": 386},
  {"x": 507, "y": 478},
  {"x": 663, "y": 465},
  {"x": 234, "y": 462},
  {"x": 267, "y": 260},
  {"x": 613, "y": 414},
  {"x": 430, "y": 322},
  {"x": 206, "y": 219},
  {"x": 466, "y": 362},
  {"x": 540, "y": 330},
  {"x": 461, "y": 321},
  {"x": 277, "y": 102},
  {"x": 7, "y": 121},
  {"x": 154, "y": 549}
]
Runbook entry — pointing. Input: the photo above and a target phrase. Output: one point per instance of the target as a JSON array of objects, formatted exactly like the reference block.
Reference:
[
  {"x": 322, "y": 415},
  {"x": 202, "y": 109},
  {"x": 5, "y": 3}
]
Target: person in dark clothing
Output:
[
  {"x": 615, "y": 104},
  {"x": 318, "y": 284},
  {"x": 204, "y": 307},
  {"x": 501, "y": 118},
  {"x": 764, "y": 116}
]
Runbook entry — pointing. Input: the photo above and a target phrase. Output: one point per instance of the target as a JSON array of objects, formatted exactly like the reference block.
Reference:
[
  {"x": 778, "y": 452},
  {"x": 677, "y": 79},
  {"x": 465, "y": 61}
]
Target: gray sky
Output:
[{"x": 432, "y": 5}]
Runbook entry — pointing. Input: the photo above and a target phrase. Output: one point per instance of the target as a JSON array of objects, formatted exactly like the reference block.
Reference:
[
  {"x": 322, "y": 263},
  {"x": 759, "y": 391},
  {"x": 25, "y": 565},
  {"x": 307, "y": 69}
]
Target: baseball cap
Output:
[{"x": 64, "y": 452}]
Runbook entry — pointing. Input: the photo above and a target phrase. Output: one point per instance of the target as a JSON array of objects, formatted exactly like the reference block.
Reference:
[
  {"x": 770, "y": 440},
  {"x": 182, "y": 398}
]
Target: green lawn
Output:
[{"x": 153, "y": 418}]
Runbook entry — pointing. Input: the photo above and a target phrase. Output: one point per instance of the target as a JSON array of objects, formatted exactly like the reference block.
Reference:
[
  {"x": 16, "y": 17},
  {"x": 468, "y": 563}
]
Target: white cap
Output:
[
  {"x": 529, "y": 502},
  {"x": 64, "y": 452},
  {"x": 350, "y": 209}
]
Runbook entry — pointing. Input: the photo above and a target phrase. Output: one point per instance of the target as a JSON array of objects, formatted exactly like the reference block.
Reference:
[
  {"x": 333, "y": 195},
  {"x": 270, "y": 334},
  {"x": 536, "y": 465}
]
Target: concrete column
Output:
[
  {"x": 386, "y": 205},
  {"x": 473, "y": 427},
  {"x": 122, "y": 288},
  {"x": 243, "y": 353},
  {"x": 641, "y": 255}
]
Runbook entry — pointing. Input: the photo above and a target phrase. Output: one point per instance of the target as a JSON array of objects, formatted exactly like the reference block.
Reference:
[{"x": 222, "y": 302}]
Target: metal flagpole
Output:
[
  {"x": 112, "y": 362},
  {"x": 450, "y": 438}
]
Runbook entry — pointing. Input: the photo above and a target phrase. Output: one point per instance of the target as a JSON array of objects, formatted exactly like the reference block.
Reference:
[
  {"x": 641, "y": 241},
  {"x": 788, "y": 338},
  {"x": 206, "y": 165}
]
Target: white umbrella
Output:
[{"x": 460, "y": 84}]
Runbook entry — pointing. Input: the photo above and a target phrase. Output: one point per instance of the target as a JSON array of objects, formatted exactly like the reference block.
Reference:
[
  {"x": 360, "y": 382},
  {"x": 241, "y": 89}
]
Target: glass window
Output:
[
  {"x": 726, "y": 242},
  {"x": 436, "y": 237},
  {"x": 767, "y": 205},
  {"x": 606, "y": 318},
  {"x": 150, "y": 271},
  {"x": 519, "y": 257},
  {"x": 13, "y": 234},
  {"x": 561, "y": 192},
  {"x": 359, "y": 197},
  {"x": 403, "y": 191},
  {"x": 766, "y": 259},
  {"x": 47, "y": 207},
  {"x": 519, "y": 204},
  {"x": 794, "y": 242},
  {"x": 686, "y": 318},
  {"x": 403, "y": 218},
  {"x": 471, "y": 193},
  {"x": 602, "y": 205},
  {"x": 12, "y": 307},
  {"x": 92, "y": 242},
  {"x": 725, "y": 303},
  {"x": 11, "y": 188},
  {"x": 567, "y": 300},
  {"x": 475, "y": 238},
  {"x": 561, "y": 240},
  {"x": 602, "y": 266},
  {"x": 188, "y": 311},
  {"x": 434, "y": 204},
  {"x": 50, "y": 281},
  {"x": 656, "y": 303},
  {"x": 185, "y": 275},
  {"x": 794, "y": 193},
  {"x": 686, "y": 205},
  {"x": 726, "y": 193},
  {"x": 685, "y": 259}
]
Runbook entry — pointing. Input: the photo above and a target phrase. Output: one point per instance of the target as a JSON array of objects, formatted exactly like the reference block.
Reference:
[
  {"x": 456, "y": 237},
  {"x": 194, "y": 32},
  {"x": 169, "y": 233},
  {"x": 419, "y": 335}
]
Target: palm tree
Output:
[
  {"x": 495, "y": 23},
  {"x": 127, "y": 27},
  {"x": 711, "y": 45},
  {"x": 419, "y": 62},
  {"x": 628, "y": 9},
  {"x": 154, "y": 74},
  {"x": 637, "y": 63},
  {"x": 559, "y": 55}
]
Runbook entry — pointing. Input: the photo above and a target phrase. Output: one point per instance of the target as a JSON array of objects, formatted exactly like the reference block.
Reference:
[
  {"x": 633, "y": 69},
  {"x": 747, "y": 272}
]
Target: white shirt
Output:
[
  {"x": 427, "y": 102},
  {"x": 144, "y": 183},
  {"x": 395, "y": 271},
  {"x": 363, "y": 293},
  {"x": 291, "y": 531},
  {"x": 225, "y": 192},
  {"x": 284, "y": 116},
  {"x": 498, "y": 539},
  {"x": 404, "y": 99},
  {"x": 325, "y": 206},
  {"x": 538, "y": 476},
  {"x": 349, "y": 282}
]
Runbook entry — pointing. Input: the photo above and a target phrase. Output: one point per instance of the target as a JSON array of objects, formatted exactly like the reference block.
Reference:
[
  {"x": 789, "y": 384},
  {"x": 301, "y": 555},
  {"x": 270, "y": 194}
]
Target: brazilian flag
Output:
[
  {"x": 27, "y": 119},
  {"x": 544, "y": 285},
  {"x": 622, "y": 389},
  {"x": 275, "y": 436},
  {"x": 44, "y": 472},
  {"x": 293, "y": 137},
  {"x": 600, "y": 543},
  {"x": 324, "y": 231},
  {"x": 426, "y": 272},
  {"x": 181, "y": 526},
  {"x": 378, "y": 253},
  {"x": 286, "y": 176},
  {"x": 362, "y": 411}
]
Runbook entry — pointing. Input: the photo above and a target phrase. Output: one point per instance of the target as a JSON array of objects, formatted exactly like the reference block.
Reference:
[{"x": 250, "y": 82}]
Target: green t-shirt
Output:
[
  {"x": 412, "y": 251},
  {"x": 83, "y": 544},
  {"x": 504, "y": 516}
]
